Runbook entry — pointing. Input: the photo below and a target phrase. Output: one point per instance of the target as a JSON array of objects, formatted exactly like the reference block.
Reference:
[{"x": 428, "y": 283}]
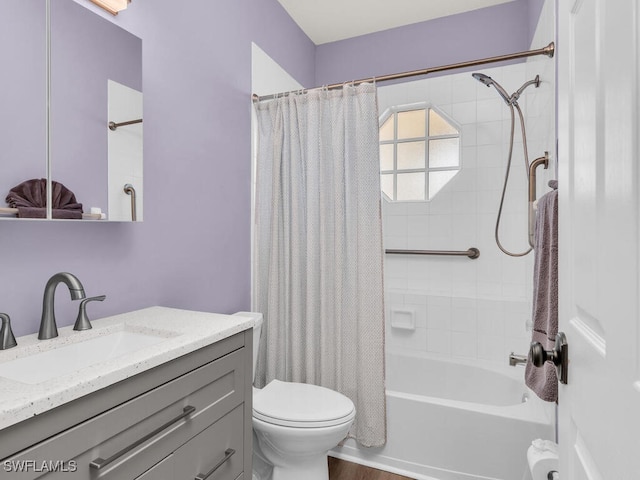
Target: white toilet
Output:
[{"x": 296, "y": 424}]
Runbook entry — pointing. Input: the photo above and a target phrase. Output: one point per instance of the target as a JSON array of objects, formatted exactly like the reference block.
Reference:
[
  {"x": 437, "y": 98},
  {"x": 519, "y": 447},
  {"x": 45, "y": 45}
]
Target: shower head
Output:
[
  {"x": 488, "y": 81},
  {"x": 482, "y": 78},
  {"x": 510, "y": 100}
]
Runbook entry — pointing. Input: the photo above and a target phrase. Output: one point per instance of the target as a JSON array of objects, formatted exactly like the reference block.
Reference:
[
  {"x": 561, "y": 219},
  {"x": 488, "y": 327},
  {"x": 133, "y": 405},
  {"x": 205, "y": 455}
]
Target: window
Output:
[{"x": 419, "y": 152}]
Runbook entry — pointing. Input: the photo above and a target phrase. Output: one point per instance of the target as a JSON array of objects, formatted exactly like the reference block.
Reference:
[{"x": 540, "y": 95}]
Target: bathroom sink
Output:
[{"x": 68, "y": 358}]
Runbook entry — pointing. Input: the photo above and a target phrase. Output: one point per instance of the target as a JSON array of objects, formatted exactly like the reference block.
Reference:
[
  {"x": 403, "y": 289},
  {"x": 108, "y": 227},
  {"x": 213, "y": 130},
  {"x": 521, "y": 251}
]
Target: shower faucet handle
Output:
[
  {"x": 82, "y": 321},
  {"x": 559, "y": 356}
]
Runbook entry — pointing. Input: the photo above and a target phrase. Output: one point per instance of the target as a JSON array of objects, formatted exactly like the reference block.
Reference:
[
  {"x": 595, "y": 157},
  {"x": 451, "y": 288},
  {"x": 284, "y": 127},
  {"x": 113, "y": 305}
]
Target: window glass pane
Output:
[
  {"x": 411, "y": 186},
  {"x": 444, "y": 152},
  {"x": 386, "y": 182},
  {"x": 437, "y": 180},
  {"x": 386, "y": 156},
  {"x": 411, "y": 155},
  {"x": 411, "y": 124},
  {"x": 439, "y": 126},
  {"x": 386, "y": 130}
]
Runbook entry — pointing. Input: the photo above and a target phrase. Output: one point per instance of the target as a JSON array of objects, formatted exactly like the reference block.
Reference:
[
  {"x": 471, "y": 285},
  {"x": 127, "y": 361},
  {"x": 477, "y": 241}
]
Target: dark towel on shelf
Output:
[
  {"x": 544, "y": 381},
  {"x": 30, "y": 198}
]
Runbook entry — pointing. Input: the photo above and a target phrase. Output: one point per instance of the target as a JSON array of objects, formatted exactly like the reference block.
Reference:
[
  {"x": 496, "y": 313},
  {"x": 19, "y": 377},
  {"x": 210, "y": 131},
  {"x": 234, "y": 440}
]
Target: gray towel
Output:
[
  {"x": 544, "y": 381},
  {"x": 30, "y": 198}
]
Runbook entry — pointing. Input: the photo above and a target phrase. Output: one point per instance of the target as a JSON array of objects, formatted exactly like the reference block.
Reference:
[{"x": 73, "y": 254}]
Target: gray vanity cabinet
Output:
[{"x": 179, "y": 421}]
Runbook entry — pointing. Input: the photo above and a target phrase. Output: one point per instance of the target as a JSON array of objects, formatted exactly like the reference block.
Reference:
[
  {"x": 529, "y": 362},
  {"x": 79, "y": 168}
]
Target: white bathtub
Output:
[{"x": 450, "y": 420}]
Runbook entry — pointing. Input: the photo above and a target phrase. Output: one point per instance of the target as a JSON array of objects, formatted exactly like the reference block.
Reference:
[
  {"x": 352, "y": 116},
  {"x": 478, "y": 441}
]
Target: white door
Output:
[{"x": 599, "y": 409}]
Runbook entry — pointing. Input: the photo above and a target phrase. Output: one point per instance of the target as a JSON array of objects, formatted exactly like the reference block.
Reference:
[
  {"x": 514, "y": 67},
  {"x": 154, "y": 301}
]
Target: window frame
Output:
[{"x": 426, "y": 107}]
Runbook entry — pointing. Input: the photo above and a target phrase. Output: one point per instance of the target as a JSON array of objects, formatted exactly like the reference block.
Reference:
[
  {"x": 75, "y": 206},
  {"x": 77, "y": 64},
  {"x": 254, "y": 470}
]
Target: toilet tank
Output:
[{"x": 257, "y": 328}]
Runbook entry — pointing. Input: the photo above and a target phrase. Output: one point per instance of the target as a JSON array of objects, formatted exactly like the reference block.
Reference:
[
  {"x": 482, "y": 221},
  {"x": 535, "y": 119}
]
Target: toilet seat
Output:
[{"x": 301, "y": 405}]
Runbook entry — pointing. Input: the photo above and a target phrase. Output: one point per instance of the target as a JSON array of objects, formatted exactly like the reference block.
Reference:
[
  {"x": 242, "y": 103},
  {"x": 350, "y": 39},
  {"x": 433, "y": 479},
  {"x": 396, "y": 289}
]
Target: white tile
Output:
[
  {"x": 393, "y": 208},
  {"x": 439, "y": 313},
  {"x": 438, "y": 341},
  {"x": 417, "y": 208},
  {"x": 469, "y": 135},
  {"x": 395, "y": 225},
  {"x": 464, "y": 203},
  {"x": 488, "y": 133},
  {"x": 490, "y": 110},
  {"x": 464, "y": 345},
  {"x": 395, "y": 242},
  {"x": 515, "y": 326},
  {"x": 490, "y": 347},
  {"x": 407, "y": 339},
  {"x": 490, "y": 155},
  {"x": 464, "y": 320},
  {"x": 417, "y": 225},
  {"x": 419, "y": 313},
  {"x": 464, "y": 88},
  {"x": 464, "y": 113}
]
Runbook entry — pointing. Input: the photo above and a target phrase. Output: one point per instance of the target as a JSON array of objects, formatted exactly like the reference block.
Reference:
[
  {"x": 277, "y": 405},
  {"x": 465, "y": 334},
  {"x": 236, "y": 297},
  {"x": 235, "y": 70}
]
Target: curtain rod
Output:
[{"x": 549, "y": 51}]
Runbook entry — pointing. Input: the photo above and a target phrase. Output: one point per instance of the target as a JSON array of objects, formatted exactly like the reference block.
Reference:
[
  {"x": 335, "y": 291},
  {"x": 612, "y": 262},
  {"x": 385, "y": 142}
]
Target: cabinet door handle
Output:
[
  {"x": 99, "y": 463},
  {"x": 228, "y": 453}
]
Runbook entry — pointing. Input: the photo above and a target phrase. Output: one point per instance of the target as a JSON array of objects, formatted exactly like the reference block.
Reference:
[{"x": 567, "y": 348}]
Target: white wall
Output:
[{"x": 471, "y": 308}]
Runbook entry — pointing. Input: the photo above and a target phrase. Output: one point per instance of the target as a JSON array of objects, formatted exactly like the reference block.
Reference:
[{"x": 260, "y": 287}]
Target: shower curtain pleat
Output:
[{"x": 318, "y": 248}]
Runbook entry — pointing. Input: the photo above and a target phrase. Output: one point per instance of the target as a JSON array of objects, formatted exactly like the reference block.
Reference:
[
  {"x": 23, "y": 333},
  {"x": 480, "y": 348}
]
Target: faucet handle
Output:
[
  {"x": 7, "y": 340},
  {"x": 82, "y": 321}
]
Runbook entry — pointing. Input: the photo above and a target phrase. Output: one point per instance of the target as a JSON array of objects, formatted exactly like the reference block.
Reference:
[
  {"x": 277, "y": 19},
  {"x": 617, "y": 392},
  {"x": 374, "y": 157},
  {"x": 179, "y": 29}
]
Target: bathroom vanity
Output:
[{"x": 175, "y": 404}]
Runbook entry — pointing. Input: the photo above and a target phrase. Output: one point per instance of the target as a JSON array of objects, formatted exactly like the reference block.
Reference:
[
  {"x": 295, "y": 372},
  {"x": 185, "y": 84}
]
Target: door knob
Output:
[{"x": 559, "y": 356}]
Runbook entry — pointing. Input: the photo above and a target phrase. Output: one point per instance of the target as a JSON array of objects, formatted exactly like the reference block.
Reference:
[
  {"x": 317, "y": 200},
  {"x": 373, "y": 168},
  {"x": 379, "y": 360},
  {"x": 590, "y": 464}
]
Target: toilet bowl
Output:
[{"x": 296, "y": 424}]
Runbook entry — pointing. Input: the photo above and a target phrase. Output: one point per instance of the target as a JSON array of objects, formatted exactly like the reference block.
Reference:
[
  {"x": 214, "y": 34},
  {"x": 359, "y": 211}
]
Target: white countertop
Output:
[{"x": 185, "y": 332}]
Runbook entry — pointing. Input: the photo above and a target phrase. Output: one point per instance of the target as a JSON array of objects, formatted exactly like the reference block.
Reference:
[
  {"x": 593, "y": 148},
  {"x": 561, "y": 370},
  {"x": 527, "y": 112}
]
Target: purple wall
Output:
[
  {"x": 477, "y": 34},
  {"x": 193, "y": 248},
  {"x": 22, "y": 94}
]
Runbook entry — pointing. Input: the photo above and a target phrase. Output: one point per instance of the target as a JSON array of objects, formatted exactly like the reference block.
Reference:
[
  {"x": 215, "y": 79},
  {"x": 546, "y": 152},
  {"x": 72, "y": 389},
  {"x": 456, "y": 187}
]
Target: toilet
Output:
[{"x": 295, "y": 425}]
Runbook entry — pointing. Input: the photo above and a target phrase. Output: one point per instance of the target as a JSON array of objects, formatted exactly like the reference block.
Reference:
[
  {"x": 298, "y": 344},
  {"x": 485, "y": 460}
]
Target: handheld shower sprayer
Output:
[
  {"x": 509, "y": 99},
  {"x": 512, "y": 103},
  {"x": 488, "y": 81}
]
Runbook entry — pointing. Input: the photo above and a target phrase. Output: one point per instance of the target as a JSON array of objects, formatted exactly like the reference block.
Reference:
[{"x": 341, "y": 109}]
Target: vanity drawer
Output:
[
  {"x": 214, "y": 454},
  {"x": 170, "y": 415}
]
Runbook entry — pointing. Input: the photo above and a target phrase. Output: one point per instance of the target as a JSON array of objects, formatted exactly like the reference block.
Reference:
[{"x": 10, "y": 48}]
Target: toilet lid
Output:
[{"x": 301, "y": 405}]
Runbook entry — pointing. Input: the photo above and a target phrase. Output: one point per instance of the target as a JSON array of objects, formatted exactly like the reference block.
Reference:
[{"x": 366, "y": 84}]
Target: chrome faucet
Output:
[
  {"x": 48, "y": 327},
  {"x": 517, "y": 359}
]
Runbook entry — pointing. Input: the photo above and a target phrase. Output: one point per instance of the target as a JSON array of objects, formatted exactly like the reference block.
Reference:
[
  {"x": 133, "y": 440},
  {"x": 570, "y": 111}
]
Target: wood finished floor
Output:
[{"x": 343, "y": 470}]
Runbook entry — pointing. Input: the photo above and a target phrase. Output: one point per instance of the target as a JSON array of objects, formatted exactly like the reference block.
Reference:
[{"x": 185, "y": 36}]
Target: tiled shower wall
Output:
[{"x": 461, "y": 307}]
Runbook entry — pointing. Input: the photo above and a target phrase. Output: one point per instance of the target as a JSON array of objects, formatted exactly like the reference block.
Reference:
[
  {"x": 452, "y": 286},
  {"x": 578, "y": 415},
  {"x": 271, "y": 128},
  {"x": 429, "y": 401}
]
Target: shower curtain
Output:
[{"x": 318, "y": 248}]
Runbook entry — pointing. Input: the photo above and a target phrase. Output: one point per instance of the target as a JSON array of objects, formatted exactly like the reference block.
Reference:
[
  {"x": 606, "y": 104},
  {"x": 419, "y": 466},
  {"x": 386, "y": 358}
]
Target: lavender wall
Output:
[
  {"x": 193, "y": 249},
  {"x": 22, "y": 94},
  {"x": 480, "y": 33}
]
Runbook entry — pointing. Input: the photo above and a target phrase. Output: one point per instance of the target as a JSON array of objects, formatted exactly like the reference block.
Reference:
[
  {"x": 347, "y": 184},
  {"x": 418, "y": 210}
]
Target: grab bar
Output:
[
  {"x": 113, "y": 125},
  {"x": 129, "y": 190},
  {"x": 532, "y": 191},
  {"x": 472, "y": 252}
]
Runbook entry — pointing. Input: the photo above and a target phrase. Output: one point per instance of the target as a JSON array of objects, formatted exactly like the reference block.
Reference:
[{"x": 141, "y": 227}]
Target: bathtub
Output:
[{"x": 455, "y": 420}]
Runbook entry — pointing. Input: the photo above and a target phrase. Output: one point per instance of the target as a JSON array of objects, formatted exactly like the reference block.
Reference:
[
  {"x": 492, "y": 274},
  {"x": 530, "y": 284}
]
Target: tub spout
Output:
[{"x": 517, "y": 359}]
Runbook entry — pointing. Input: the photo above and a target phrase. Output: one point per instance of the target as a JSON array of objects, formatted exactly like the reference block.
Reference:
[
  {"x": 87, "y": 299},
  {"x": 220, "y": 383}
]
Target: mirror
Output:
[{"x": 95, "y": 77}]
